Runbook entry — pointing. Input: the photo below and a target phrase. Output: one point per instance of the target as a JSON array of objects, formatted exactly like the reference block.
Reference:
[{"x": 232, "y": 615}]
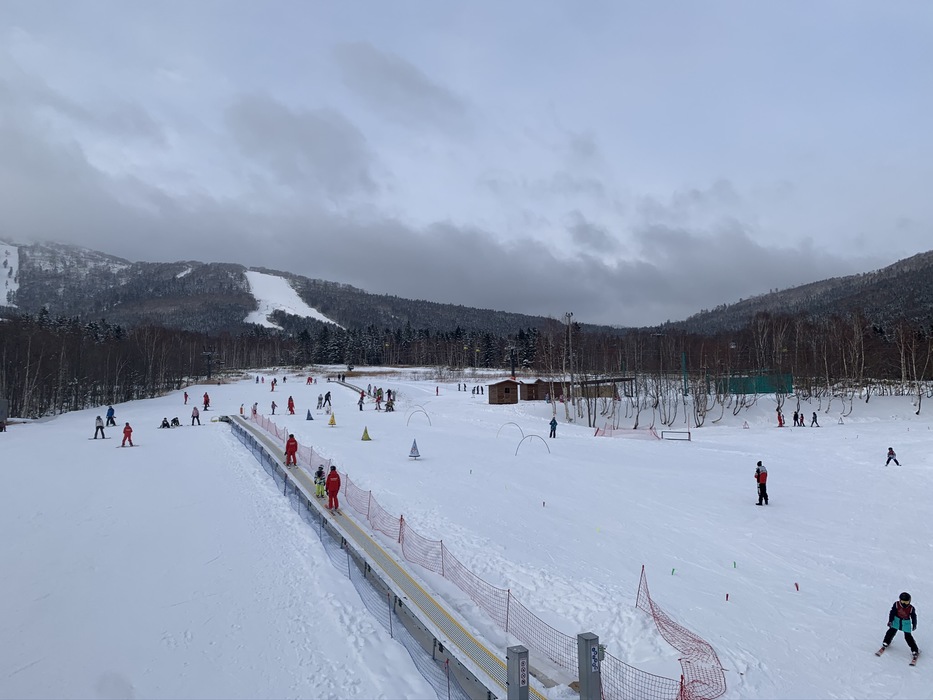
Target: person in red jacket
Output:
[
  {"x": 127, "y": 435},
  {"x": 291, "y": 451},
  {"x": 207, "y": 401},
  {"x": 761, "y": 478},
  {"x": 332, "y": 484},
  {"x": 291, "y": 405}
]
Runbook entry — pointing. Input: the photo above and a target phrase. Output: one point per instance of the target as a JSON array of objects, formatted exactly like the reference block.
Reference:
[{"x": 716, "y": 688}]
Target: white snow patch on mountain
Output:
[
  {"x": 184, "y": 273},
  {"x": 9, "y": 273},
  {"x": 274, "y": 293}
]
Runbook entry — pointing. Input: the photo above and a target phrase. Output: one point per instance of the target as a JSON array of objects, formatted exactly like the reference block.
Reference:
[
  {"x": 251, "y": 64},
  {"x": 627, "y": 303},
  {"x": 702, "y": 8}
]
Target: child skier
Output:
[
  {"x": 319, "y": 482},
  {"x": 903, "y": 617},
  {"x": 892, "y": 457}
]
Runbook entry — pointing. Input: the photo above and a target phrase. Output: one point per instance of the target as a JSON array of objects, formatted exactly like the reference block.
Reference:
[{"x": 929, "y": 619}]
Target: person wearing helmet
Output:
[
  {"x": 903, "y": 617},
  {"x": 892, "y": 457},
  {"x": 761, "y": 478}
]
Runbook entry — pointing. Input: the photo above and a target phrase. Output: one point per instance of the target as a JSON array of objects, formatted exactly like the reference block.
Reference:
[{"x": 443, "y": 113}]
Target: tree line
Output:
[{"x": 52, "y": 365}]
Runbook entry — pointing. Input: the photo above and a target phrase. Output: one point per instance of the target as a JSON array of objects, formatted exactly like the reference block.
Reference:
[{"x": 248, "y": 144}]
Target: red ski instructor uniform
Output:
[
  {"x": 291, "y": 451},
  {"x": 332, "y": 484}
]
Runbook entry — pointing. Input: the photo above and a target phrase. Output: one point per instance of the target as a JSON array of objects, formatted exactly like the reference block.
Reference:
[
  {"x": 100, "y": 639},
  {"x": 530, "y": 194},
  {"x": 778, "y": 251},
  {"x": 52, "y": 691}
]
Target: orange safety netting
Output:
[{"x": 703, "y": 677}]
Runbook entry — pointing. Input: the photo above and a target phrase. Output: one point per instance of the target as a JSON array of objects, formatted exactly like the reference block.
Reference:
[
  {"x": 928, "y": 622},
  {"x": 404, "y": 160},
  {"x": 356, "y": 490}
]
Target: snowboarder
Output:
[
  {"x": 333, "y": 488},
  {"x": 207, "y": 401},
  {"x": 165, "y": 423},
  {"x": 360, "y": 402},
  {"x": 327, "y": 399},
  {"x": 892, "y": 457},
  {"x": 99, "y": 428},
  {"x": 813, "y": 421},
  {"x": 903, "y": 617},
  {"x": 553, "y": 425},
  {"x": 319, "y": 482},
  {"x": 127, "y": 435},
  {"x": 111, "y": 418},
  {"x": 320, "y": 401},
  {"x": 291, "y": 406},
  {"x": 291, "y": 451},
  {"x": 761, "y": 478},
  {"x": 175, "y": 422},
  {"x": 195, "y": 415}
]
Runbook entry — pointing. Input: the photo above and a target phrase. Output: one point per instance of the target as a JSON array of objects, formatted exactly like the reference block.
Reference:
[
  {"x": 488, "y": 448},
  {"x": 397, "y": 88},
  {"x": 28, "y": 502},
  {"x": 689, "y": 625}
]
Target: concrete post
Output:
[
  {"x": 588, "y": 665},
  {"x": 517, "y": 679}
]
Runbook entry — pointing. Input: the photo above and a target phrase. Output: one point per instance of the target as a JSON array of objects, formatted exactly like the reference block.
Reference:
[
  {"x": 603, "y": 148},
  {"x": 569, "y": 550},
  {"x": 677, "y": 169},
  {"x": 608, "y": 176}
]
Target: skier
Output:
[
  {"x": 99, "y": 427},
  {"x": 761, "y": 478},
  {"x": 327, "y": 399},
  {"x": 319, "y": 482},
  {"x": 813, "y": 421},
  {"x": 291, "y": 451},
  {"x": 903, "y": 617},
  {"x": 360, "y": 402},
  {"x": 274, "y": 406},
  {"x": 553, "y": 425},
  {"x": 207, "y": 401},
  {"x": 310, "y": 381},
  {"x": 195, "y": 415},
  {"x": 255, "y": 410},
  {"x": 892, "y": 457},
  {"x": 127, "y": 435},
  {"x": 320, "y": 401},
  {"x": 291, "y": 405},
  {"x": 796, "y": 418},
  {"x": 111, "y": 419},
  {"x": 333, "y": 488},
  {"x": 186, "y": 398}
]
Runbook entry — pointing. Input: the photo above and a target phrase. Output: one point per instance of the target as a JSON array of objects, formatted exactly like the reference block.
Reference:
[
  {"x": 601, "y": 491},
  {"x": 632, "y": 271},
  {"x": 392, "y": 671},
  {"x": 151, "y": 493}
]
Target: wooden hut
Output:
[
  {"x": 534, "y": 391},
  {"x": 505, "y": 391}
]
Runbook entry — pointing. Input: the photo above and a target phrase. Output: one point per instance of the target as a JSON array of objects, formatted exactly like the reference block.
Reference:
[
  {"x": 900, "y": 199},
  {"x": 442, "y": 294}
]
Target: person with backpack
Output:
[
  {"x": 319, "y": 482},
  {"x": 903, "y": 618},
  {"x": 761, "y": 478},
  {"x": 99, "y": 428},
  {"x": 892, "y": 457}
]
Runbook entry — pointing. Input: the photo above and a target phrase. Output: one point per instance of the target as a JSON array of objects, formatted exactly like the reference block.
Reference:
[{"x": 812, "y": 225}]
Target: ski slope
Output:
[{"x": 210, "y": 585}]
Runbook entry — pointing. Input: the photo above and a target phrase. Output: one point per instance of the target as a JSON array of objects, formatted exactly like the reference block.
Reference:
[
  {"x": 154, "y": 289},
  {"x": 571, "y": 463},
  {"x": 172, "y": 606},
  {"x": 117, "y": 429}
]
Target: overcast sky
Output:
[{"x": 631, "y": 162}]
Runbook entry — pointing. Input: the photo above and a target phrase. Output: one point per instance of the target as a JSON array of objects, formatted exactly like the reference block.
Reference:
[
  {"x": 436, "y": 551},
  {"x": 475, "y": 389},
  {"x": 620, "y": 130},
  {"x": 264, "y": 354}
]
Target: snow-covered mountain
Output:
[{"x": 71, "y": 281}]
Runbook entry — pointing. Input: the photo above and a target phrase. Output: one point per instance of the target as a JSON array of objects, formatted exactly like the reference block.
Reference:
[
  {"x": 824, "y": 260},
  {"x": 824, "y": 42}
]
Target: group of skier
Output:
[{"x": 329, "y": 484}]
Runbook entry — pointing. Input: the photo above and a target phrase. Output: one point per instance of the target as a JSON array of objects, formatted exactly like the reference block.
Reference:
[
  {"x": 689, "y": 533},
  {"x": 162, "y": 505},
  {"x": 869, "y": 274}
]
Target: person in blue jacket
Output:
[
  {"x": 111, "y": 420},
  {"x": 903, "y": 617},
  {"x": 553, "y": 425}
]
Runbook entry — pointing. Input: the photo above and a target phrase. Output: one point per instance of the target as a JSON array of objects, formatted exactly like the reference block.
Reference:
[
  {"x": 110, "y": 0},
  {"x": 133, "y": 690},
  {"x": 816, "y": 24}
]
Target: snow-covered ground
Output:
[
  {"x": 274, "y": 293},
  {"x": 9, "y": 270},
  {"x": 176, "y": 570}
]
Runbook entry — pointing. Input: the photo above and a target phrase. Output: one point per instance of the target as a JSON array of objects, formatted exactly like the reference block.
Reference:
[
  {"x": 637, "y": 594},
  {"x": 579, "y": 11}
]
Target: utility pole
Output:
[
  {"x": 208, "y": 356},
  {"x": 569, "y": 317}
]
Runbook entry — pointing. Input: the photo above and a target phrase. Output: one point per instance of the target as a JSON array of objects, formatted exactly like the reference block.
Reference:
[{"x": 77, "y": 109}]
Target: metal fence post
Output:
[
  {"x": 588, "y": 665},
  {"x": 517, "y": 673}
]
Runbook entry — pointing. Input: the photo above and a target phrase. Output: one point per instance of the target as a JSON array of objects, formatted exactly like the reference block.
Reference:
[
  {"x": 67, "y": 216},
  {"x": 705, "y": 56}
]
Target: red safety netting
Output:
[
  {"x": 702, "y": 679},
  {"x": 703, "y": 676}
]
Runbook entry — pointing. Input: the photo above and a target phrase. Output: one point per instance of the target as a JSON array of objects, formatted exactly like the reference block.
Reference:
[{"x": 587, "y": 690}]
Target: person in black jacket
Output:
[{"x": 903, "y": 617}]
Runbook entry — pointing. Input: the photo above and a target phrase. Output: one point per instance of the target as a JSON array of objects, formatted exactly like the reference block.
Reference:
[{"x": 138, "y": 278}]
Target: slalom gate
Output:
[{"x": 702, "y": 678}]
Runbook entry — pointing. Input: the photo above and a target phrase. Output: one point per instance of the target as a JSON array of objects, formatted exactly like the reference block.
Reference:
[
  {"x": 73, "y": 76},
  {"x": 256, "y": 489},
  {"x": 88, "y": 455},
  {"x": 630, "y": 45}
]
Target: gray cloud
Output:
[
  {"x": 318, "y": 148},
  {"x": 396, "y": 89},
  {"x": 589, "y": 235}
]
